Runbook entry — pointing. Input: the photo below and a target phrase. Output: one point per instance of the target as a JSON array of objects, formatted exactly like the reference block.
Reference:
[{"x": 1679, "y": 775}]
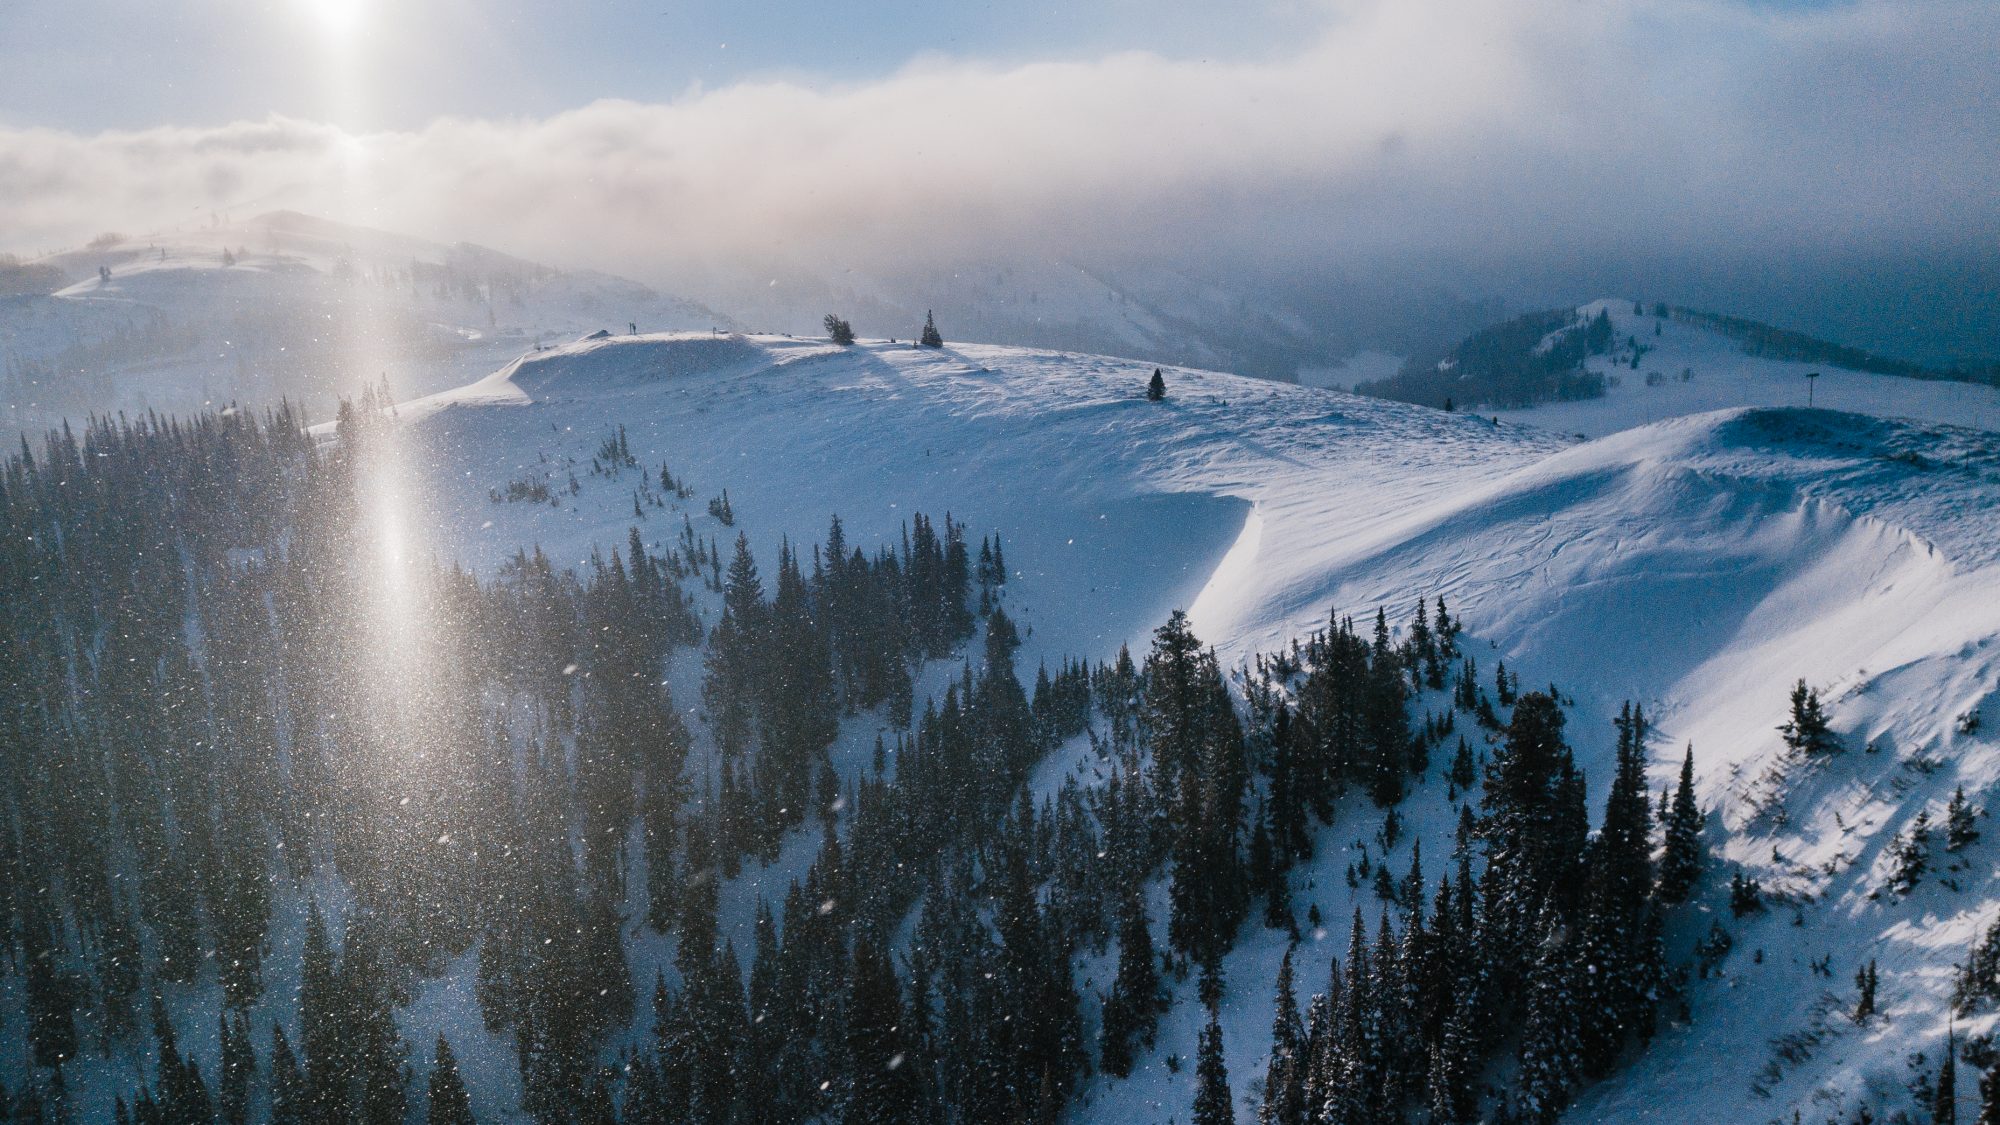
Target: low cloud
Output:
[{"x": 1425, "y": 135}]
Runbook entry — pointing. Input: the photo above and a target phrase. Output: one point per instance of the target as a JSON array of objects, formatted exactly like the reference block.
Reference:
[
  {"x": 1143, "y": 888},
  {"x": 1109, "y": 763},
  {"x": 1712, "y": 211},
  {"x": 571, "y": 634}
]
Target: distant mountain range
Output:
[{"x": 286, "y": 306}]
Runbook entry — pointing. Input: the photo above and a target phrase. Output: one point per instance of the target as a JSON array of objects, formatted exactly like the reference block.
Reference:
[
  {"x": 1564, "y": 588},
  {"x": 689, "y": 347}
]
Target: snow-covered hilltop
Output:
[
  {"x": 1664, "y": 363},
  {"x": 1698, "y": 566},
  {"x": 1614, "y": 364},
  {"x": 286, "y": 306}
]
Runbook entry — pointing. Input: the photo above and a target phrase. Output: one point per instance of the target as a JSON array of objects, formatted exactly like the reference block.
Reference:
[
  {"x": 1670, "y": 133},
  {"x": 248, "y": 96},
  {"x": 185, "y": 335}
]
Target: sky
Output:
[
  {"x": 126, "y": 64},
  {"x": 1826, "y": 164}
]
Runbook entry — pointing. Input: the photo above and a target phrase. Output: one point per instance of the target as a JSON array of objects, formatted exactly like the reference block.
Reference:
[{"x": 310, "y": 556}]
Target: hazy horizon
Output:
[{"x": 1825, "y": 166}]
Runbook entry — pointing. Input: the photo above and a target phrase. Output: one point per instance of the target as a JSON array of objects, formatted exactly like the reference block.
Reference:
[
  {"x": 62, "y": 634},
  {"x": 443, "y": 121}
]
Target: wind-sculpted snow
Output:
[{"x": 1698, "y": 566}]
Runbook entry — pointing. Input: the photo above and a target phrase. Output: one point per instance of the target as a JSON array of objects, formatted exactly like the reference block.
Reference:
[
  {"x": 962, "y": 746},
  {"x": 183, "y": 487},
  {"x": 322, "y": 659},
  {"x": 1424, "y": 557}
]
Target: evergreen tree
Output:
[
  {"x": 1132, "y": 1009},
  {"x": 1156, "y": 387},
  {"x": 1911, "y": 855},
  {"x": 1453, "y": 1071},
  {"x": 449, "y": 1103},
  {"x": 238, "y": 1068},
  {"x": 1288, "y": 791},
  {"x": 51, "y": 996},
  {"x": 1989, "y": 1095},
  {"x": 291, "y": 1098},
  {"x": 1806, "y": 730},
  {"x": 882, "y": 1088},
  {"x": 325, "y": 1020},
  {"x": 1388, "y": 724},
  {"x": 1213, "y": 1104},
  {"x": 1865, "y": 981},
  {"x": 1284, "y": 1077},
  {"x": 1944, "y": 1095},
  {"x": 1959, "y": 829},
  {"x": 1198, "y": 761},
  {"x": 1551, "y": 1055},
  {"x": 1534, "y": 830},
  {"x": 1680, "y": 864},
  {"x": 930, "y": 338},
  {"x": 1619, "y": 942}
]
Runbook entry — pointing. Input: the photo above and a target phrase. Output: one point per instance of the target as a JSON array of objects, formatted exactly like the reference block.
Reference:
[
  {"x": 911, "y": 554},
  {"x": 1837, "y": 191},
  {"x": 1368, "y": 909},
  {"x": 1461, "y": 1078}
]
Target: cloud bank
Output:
[{"x": 1458, "y": 137}]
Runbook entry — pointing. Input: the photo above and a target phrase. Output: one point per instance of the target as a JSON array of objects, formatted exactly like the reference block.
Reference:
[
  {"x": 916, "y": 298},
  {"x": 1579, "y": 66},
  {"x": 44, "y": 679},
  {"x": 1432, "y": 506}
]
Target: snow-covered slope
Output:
[
  {"x": 286, "y": 305},
  {"x": 1685, "y": 368},
  {"x": 1698, "y": 566}
]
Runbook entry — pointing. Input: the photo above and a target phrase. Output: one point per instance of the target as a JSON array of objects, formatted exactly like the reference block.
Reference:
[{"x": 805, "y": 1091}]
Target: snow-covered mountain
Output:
[
  {"x": 287, "y": 306},
  {"x": 1698, "y": 565},
  {"x": 1155, "y": 313},
  {"x": 1666, "y": 366}
]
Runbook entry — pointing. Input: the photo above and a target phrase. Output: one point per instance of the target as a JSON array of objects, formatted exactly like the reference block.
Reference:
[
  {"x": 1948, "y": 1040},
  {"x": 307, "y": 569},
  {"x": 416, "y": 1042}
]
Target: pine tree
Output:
[
  {"x": 1284, "y": 1078},
  {"x": 238, "y": 1068},
  {"x": 1865, "y": 981},
  {"x": 838, "y": 330},
  {"x": 1213, "y": 1104},
  {"x": 324, "y": 1008},
  {"x": 1386, "y": 718},
  {"x": 1535, "y": 830},
  {"x": 1551, "y": 1061},
  {"x": 1807, "y": 731},
  {"x": 1619, "y": 932},
  {"x": 1132, "y": 1010},
  {"x": 930, "y": 338},
  {"x": 449, "y": 1103},
  {"x": 1944, "y": 1098},
  {"x": 1289, "y": 837},
  {"x": 883, "y": 1084},
  {"x": 1454, "y": 1068},
  {"x": 1198, "y": 761},
  {"x": 1912, "y": 855},
  {"x": 1989, "y": 1095},
  {"x": 290, "y": 1097},
  {"x": 1680, "y": 865},
  {"x": 1156, "y": 388},
  {"x": 1959, "y": 829}
]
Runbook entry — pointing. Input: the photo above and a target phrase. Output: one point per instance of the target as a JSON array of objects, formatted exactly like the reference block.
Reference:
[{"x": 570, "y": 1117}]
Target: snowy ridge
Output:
[
  {"x": 1698, "y": 566},
  {"x": 1687, "y": 368},
  {"x": 285, "y": 305}
]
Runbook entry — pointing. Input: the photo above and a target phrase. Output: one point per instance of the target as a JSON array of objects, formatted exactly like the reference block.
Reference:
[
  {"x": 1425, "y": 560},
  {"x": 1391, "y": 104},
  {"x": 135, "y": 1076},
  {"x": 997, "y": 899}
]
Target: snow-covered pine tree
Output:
[
  {"x": 1959, "y": 827},
  {"x": 1865, "y": 982},
  {"x": 449, "y": 1102},
  {"x": 1806, "y": 730},
  {"x": 1551, "y": 1055},
  {"x": 1284, "y": 1077},
  {"x": 1911, "y": 855},
  {"x": 1989, "y": 1095},
  {"x": 1681, "y": 861},
  {"x": 1213, "y": 1104},
  {"x": 290, "y": 1097},
  {"x": 1132, "y": 1009}
]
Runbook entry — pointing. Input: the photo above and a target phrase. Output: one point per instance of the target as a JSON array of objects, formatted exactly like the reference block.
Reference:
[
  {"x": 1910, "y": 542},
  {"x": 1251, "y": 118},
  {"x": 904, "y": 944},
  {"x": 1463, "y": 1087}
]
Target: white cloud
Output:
[{"x": 1488, "y": 133}]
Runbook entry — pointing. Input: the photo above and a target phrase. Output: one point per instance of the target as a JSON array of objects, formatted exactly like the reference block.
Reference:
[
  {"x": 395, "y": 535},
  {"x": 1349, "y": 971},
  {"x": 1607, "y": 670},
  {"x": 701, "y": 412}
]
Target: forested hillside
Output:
[
  {"x": 219, "y": 723},
  {"x": 619, "y": 738}
]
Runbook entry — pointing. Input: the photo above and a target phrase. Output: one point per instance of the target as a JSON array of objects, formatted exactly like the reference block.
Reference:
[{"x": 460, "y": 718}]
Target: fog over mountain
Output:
[{"x": 1397, "y": 178}]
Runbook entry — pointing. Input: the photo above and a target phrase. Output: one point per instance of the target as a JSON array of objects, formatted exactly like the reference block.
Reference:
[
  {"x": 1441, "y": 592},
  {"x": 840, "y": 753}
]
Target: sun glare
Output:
[{"x": 338, "y": 17}]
